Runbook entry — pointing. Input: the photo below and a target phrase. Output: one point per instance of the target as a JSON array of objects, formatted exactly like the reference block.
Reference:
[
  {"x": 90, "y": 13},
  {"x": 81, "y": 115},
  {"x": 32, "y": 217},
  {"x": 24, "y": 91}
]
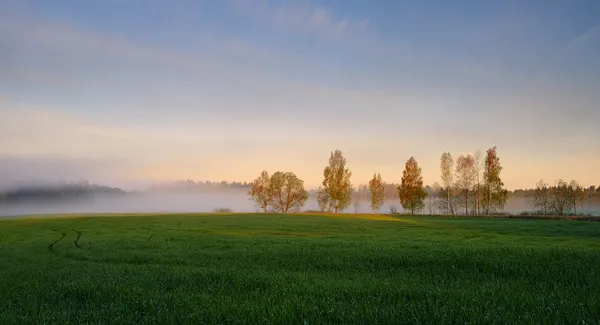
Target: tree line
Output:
[
  {"x": 472, "y": 184},
  {"x": 60, "y": 191},
  {"x": 563, "y": 198}
]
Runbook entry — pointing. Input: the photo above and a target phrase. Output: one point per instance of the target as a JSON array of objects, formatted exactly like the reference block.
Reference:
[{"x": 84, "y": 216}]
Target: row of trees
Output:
[
  {"x": 474, "y": 184},
  {"x": 59, "y": 191},
  {"x": 463, "y": 187},
  {"x": 563, "y": 198},
  {"x": 471, "y": 184}
]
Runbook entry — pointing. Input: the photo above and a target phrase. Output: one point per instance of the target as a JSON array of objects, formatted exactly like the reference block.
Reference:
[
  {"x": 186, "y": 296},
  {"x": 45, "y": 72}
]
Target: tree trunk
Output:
[
  {"x": 449, "y": 209},
  {"x": 489, "y": 208},
  {"x": 466, "y": 202}
]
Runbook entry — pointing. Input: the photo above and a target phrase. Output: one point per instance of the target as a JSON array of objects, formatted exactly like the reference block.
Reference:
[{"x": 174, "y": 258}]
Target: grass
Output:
[{"x": 298, "y": 269}]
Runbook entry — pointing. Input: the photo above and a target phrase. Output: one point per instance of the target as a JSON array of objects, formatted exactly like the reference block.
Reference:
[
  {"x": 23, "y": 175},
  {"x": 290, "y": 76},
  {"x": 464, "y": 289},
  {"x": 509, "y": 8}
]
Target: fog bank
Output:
[{"x": 147, "y": 202}]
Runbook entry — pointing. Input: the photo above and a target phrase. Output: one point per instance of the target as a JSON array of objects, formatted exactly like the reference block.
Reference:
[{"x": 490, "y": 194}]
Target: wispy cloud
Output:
[
  {"x": 308, "y": 17},
  {"x": 318, "y": 21}
]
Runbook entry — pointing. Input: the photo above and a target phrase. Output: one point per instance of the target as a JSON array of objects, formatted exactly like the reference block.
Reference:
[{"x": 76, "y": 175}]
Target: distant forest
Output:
[{"x": 56, "y": 192}]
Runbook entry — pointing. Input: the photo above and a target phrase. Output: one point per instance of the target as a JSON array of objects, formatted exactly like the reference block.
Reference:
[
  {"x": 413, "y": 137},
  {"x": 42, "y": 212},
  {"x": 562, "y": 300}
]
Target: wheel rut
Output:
[
  {"x": 51, "y": 245},
  {"x": 76, "y": 241}
]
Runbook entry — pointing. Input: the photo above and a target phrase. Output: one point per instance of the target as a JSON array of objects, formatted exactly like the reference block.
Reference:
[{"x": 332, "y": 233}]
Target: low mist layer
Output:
[{"x": 199, "y": 202}]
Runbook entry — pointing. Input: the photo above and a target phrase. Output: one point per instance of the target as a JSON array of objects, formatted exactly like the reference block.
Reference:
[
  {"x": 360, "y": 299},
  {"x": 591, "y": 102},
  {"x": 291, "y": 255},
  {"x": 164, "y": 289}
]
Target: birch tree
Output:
[
  {"x": 494, "y": 196},
  {"x": 466, "y": 175},
  {"x": 337, "y": 181},
  {"x": 377, "y": 191},
  {"x": 411, "y": 190},
  {"x": 446, "y": 166},
  {"x": 478, "y": 165}
]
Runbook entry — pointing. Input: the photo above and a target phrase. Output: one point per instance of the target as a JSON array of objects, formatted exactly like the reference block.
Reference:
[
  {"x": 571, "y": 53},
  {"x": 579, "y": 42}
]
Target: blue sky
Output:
[{"x": 129, "y": 92}]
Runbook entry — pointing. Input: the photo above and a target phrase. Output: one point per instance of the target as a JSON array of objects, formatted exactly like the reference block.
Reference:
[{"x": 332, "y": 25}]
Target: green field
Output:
[{"x": 298, "y": 269}]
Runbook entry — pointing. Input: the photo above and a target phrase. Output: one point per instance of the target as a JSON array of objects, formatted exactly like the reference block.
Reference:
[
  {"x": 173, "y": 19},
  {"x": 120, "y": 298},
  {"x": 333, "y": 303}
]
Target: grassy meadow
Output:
[{"x": 298, "y": 269}]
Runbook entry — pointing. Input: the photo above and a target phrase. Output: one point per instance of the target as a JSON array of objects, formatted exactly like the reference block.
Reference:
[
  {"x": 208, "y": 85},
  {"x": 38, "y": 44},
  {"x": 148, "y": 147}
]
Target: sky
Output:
[{"x": 129, "y": 93}]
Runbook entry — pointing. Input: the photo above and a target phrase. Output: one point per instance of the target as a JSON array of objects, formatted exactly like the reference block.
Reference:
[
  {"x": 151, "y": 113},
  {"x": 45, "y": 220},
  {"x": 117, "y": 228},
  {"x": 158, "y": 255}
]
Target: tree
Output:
[
  {"x": 477, "y": 157},
  {"x": 323, "y": 200},
  {"x": 560, "y": 198},
  {"x": 447, "y": 178},
  {"x": 411, "y": 190},
  {"x": 540, "y": 198},
  {"x": 466, "y": 175},
  {"x": 494, "y": 196},
  {"x": 590, "y": 196},
  {"x": 377, "y": 191},
  {"x": 259, "y": 192},
  {"x": 287, "y": 192},
  {"x": 337, "y": 181},
  {"x": 577, "y": 195},
  {"x": 432, "y": 194}
]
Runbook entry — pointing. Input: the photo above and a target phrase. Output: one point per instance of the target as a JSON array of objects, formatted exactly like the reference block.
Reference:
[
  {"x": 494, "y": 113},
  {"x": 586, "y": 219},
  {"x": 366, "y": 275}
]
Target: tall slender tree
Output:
[
  {"x": 337, "y": 181},
  {"x": 466, "y": 176},
  {"x": 495, "y": 195},
  {"x": 411, "y": 190},
  {"x": 376, "y": 189},
  {"x": 446, "y": 166}
]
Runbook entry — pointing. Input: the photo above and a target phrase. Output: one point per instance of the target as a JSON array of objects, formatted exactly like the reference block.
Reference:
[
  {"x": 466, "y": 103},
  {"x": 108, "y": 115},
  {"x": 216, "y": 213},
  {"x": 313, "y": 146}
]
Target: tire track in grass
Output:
[
  {"x": 51, "y": 245},
  {"x": 76, "y": 241}
]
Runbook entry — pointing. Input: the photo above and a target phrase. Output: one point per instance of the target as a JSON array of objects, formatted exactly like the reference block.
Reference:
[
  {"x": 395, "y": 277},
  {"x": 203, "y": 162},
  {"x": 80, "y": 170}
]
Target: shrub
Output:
[{"x": 223, "y": 210}]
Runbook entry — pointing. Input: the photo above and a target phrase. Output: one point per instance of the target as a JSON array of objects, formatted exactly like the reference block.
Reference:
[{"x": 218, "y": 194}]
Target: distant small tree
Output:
[
  {"x": 337, "y": 181},
  {"x": 376, "y": 188},
  {"x": 466, "y": 173},
  {"x": 541, "y": 200},
  {"x": 590, "y": 196},
  {"x": 446, "y": 166},
  {"x": 259, "y": 192},
  {"x": 411, "y": 191},
  {"x": 287, "y": 192},
  {"x": 323, "y": 200},
  {"x": 577, "y": 195},
  {"x": 432, "y": 194},
  {"x": 560, "y": 198}
]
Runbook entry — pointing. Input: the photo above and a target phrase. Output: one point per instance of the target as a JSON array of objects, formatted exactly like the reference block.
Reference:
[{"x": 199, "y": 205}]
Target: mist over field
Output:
[{"x": 237, "y": 201}]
